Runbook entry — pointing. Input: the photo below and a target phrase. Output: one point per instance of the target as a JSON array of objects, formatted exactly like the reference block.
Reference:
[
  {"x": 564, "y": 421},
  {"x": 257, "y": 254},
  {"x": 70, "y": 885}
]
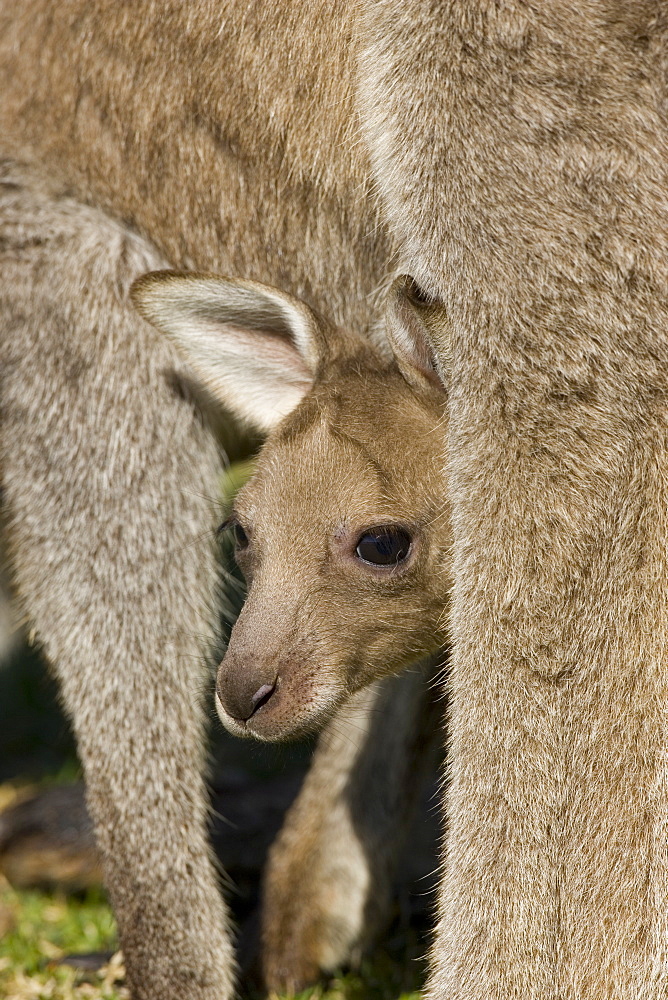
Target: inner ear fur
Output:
[
  {"x": 254, "y": 349},
  {"x": 411, "y": 320}
]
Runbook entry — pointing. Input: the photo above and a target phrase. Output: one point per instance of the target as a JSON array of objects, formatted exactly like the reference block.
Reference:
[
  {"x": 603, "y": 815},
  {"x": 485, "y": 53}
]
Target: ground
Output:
[{"x": 37, "y": 929}]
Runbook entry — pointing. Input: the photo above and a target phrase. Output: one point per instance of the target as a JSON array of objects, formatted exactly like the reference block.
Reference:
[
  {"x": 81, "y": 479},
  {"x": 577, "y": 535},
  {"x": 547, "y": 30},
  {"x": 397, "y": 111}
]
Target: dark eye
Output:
[
  {"x": 240, "y": 536},
  {"x": 383, "y": 546}
]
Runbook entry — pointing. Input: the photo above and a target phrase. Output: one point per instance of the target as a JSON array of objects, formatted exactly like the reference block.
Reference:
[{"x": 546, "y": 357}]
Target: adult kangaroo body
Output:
[{"x": 514, "y": 160}]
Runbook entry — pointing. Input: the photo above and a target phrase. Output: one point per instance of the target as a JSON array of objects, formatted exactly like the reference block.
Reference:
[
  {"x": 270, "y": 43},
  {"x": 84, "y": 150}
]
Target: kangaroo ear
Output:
[
  {"x": 411, "y": 320},
  {"x": 254, "y": 349}
]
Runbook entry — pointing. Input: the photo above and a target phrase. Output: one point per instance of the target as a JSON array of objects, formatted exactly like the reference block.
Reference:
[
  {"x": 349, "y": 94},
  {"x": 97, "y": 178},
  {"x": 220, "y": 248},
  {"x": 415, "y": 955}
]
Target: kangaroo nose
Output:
[
  {"x": 262, "y": 696},
  {"x": 241, "y": 697},
  {"x": 256, "y": 701}
]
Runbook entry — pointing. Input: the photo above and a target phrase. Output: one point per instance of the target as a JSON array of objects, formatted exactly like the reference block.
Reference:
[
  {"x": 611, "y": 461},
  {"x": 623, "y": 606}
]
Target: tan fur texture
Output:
[
  {"x": 512, "y": 157},
  {"x": 541, "y": 222},
  {"x": 354, "y": 452},
  {"x": 316, "y": 617},
  {"x": 320, "y": 622}
]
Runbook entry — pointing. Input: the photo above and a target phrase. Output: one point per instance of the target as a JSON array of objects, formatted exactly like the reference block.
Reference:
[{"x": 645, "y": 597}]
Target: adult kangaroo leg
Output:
[
  {"x": 329, "y": 878},
  {"x": 106, "y": 475},
  {"x": 543, "y": 227}
]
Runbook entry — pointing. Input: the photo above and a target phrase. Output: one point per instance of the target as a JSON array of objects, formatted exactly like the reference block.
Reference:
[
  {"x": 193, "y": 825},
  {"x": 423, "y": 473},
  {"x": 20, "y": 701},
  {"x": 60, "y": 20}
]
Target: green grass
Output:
[{"x": 37, "y": 929}]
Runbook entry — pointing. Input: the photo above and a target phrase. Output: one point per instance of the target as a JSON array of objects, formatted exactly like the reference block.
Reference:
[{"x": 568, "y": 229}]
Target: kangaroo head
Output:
[{"x": 343, "y": 532}]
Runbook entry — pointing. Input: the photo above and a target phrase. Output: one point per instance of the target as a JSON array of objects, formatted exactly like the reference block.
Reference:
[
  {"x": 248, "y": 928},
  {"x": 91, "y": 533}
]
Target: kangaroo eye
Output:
[
  {"x": 240, "y": 536},
  {"x": 383, "y": 546}
]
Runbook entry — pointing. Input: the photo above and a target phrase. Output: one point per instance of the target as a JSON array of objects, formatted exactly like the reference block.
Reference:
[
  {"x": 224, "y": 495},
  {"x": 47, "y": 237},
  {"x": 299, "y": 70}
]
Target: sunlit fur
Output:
[
  {"x": 353, "y": 443},
  {"x": 513, "y": 158}
]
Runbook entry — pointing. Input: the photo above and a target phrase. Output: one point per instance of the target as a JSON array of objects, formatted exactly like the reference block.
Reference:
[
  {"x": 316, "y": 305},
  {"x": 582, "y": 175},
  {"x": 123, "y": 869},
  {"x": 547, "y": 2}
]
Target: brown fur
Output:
[
  {"x": 518, "y": 154},
  {"x": 327, "y": 627},
  {"x": 548, "y": 186},
  {"x": 354, "y": 448},
  {"x": 79, "y": 451},
  {"x": 354, "y": 452}
]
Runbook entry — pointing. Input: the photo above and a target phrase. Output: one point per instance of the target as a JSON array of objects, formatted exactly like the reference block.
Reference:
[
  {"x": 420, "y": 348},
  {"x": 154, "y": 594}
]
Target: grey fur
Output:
[{"x": 107, "y": 507}]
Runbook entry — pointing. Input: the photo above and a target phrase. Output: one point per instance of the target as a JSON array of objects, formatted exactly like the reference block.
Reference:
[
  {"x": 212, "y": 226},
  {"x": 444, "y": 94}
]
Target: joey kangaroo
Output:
[
  {"x": 346, "y": 546},
  {"x": 342, "y": 532},
  {"x": 512, "y": 159}
]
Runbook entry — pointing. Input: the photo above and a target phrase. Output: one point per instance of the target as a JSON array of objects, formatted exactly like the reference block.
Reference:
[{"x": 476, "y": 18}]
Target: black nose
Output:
[{"x": 241, "y": 696}]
